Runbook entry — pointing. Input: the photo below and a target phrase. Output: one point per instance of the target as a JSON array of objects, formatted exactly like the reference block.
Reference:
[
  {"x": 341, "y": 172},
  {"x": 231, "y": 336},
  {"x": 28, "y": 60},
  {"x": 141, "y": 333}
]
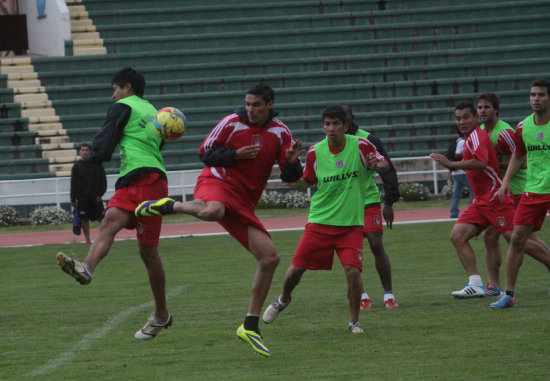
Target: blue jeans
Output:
[{"x": 459, "y": 183}]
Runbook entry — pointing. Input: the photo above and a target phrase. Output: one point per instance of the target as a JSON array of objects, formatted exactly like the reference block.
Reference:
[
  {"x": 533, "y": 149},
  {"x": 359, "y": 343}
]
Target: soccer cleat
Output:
[
  {"x": 490, "y": 290},
  {"x": 152, "y": 328},
  {"x": 355, "y": 327},
  {"x": 273, "y": 310},
  {"x": 366, "y": 304},
  {"x": 391, "y": 303},
  {"x": 470, "y": 291},
  {"x": 504, "y": 301},
  {"x": 254, "y": 339},
  {"x": 74, "y": 268},
  {"x": 160, "y": 207}
]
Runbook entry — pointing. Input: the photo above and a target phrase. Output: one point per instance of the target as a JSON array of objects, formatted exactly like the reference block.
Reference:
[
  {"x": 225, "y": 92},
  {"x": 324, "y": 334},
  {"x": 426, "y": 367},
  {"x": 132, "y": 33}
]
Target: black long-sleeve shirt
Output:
[{"x": 88, "y": 181}]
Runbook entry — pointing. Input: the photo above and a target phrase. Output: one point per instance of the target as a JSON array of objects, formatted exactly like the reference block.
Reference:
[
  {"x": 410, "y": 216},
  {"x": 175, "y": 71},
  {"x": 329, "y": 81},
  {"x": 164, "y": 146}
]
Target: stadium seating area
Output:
[{"x": 401, "y": 65}]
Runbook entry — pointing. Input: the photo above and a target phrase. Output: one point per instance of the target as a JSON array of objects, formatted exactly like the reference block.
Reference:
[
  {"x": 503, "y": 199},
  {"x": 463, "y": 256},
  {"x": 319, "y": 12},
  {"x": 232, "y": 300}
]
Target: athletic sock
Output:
[
  {"x": 251, "y": 323},
  {"x": 510, "y": 293},
  {"x": 475, "y": 280},
  {"x": 281, "y": 302},
  {"x": 364, "y": 295},
  {"x": 388, "y": 294}
]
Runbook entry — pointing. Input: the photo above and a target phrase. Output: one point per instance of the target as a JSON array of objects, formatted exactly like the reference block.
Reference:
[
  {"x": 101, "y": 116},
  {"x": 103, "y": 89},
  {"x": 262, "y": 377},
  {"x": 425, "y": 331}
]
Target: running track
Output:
[{"x": 202, "y": 228}]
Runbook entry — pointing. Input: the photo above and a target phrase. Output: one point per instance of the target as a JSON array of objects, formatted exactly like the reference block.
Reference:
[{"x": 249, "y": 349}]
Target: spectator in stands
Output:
[
  {"x": 458, "y": 176},
  {"x": 503, "y": 138},
  {"x": 373, "y": 228},
  {"x": 239, "y": 154},
  {"x": 532, "y": 142},
  {"x": 142, "y": 176},
  {"x": 88, "y": 185},
  {"x": 481, "y": 165},
  {"x": 341, "y": 166}
]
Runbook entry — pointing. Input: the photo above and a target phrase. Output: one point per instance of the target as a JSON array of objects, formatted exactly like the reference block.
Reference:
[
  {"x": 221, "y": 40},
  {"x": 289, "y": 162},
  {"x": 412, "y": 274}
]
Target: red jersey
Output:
[
  {"x": 248, "y": 177},
  {"x": 365, "y": 148},
  {"x": 485, "y": 182}
]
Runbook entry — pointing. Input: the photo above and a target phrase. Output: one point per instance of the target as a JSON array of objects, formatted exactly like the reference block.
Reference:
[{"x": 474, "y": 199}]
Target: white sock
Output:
[
  {"x": 475, "y": 280},
  {"x": 364, "y": 295},
  {"x": 388, "y": 296},
  {"x": 281, "y": 302}
]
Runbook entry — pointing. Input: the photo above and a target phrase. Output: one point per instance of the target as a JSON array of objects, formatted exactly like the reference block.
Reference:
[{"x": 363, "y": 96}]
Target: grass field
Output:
[{"x": 56, "y": 329}]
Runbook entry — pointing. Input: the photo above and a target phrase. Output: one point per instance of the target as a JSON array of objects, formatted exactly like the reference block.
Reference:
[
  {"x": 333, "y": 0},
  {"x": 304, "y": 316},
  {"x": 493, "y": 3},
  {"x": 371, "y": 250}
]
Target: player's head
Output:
[
  {"x": 127, "y": 82},
  {"x": 84, "y": 150},
  {"x": 488, "y": 105},
  {"x": 539, "y": 95},
  {"x": 335, "y": 122},
  {"x": 465, "y": 117},
  {"x": 259, "y": 103}
]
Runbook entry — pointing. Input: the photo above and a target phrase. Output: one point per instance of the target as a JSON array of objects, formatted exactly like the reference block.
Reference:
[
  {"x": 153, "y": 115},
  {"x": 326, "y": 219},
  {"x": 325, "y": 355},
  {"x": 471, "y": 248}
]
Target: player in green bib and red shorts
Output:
[
  {"x": 142, "y": 176},
  {"x": 339, "y": 165},
  {"x": 533, "y": 142}
]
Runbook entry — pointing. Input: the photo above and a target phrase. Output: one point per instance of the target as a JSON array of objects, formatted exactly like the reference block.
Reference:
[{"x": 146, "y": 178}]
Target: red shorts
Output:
[
  {"x": 499, "y": 214},
  {"x": 238, "y": 214},
  {"x": 150, "y": 186},
  {"x": 316, "y": 248},
  {"x": 517, "y": 199},
  {"x": 373, "y": 220},
  {"x": 532, "y": 210}
]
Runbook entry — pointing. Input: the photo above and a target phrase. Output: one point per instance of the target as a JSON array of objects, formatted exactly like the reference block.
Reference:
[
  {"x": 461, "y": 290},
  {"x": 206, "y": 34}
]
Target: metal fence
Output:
[{"x": 180, "y": 183}]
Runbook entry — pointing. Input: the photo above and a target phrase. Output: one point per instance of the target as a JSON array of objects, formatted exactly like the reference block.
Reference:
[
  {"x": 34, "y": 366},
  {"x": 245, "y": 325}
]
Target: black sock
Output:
[
  {"x": 511, "y": 293},
  {"x": 251, "y": 323}
]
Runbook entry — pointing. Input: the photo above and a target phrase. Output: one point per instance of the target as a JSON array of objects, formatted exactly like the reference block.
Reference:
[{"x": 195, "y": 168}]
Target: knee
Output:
[{"x": 270, "y": 259}]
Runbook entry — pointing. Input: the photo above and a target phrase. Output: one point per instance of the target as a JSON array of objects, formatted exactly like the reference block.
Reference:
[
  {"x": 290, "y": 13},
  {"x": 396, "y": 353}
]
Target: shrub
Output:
[
  {"x": 414, "y": 192},
  {"x": 50, "y": 215},
  {"x": 288, "y": 200},
  {"x": 8, "y": 216},
  {"x": 447, "y": 190}
]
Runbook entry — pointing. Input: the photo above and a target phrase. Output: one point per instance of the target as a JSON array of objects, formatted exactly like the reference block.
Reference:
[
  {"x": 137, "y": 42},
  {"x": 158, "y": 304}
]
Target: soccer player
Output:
[
  {"x": 88, "y": 185},
  {"x": 481, "y": 165},
  {"x": 142, "y": 176},
  {"x": 239, "y": 154},
  {"x": 373, "y": 228},
  {"x": 340, "y": 165},
  {"x": 533, "y": 142},
  {"x": 502, "y": 136}
]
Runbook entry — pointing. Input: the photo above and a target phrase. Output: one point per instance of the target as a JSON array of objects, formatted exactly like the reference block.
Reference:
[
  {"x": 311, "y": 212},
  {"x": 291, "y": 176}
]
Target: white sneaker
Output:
[
  {"x": 469, "y": 291},
  {"x": 152, "y": 328},
  {"x": 355, "y": 327},
  {"x": 273, "y": 310}
]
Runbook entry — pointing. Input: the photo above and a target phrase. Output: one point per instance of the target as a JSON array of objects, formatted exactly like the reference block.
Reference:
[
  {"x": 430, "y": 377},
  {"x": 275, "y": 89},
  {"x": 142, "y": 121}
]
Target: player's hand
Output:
[
  {"x": 504, "y": 190},
  {"x": 247, "y": 152},
  {"x": 387, "y": 212},
  {"x": 293, "y": 153},
  {"x": 372, "y": 163},
  {"x": 441, "y": 159}
]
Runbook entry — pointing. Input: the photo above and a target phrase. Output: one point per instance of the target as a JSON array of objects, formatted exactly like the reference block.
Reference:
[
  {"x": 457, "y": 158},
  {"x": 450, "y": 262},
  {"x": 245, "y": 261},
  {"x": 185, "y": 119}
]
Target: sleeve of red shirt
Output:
[
  {"x": 216, "y": 138},
  {"x": 520, "y": 145},
  {"x": 310, "y": 172},
  {"x": 478, "y": 147},
  {"x": 366, "y": 149},
  {"x": 506, "y": 142}
]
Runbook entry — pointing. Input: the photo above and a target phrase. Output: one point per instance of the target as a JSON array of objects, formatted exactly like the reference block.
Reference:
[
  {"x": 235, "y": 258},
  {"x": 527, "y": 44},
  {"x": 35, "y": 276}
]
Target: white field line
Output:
[{"x": 88, "y": 339}]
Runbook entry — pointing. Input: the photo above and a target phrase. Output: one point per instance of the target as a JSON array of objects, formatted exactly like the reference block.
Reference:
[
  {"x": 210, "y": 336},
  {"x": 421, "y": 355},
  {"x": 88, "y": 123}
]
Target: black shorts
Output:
[{"x": 91, "y": 210}]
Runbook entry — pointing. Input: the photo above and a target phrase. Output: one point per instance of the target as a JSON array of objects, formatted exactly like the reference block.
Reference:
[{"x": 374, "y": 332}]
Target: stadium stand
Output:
[{"x": 401, "y": 65}]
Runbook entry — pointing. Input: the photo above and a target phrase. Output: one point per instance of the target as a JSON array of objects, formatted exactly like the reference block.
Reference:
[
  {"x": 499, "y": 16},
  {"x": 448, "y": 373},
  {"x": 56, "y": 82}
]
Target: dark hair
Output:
[
  {"x": 335, "y": 112},
  {"x": 347, "y": 108},
  {"x": 466, "y": 104},
  {"x": 541, "y": 82},
  {"x": 491, "y": 97},
  {"x": 84, "y": 145},
  {"x": 263, "y": 90},
  {"x": 129, "y": 75}
]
